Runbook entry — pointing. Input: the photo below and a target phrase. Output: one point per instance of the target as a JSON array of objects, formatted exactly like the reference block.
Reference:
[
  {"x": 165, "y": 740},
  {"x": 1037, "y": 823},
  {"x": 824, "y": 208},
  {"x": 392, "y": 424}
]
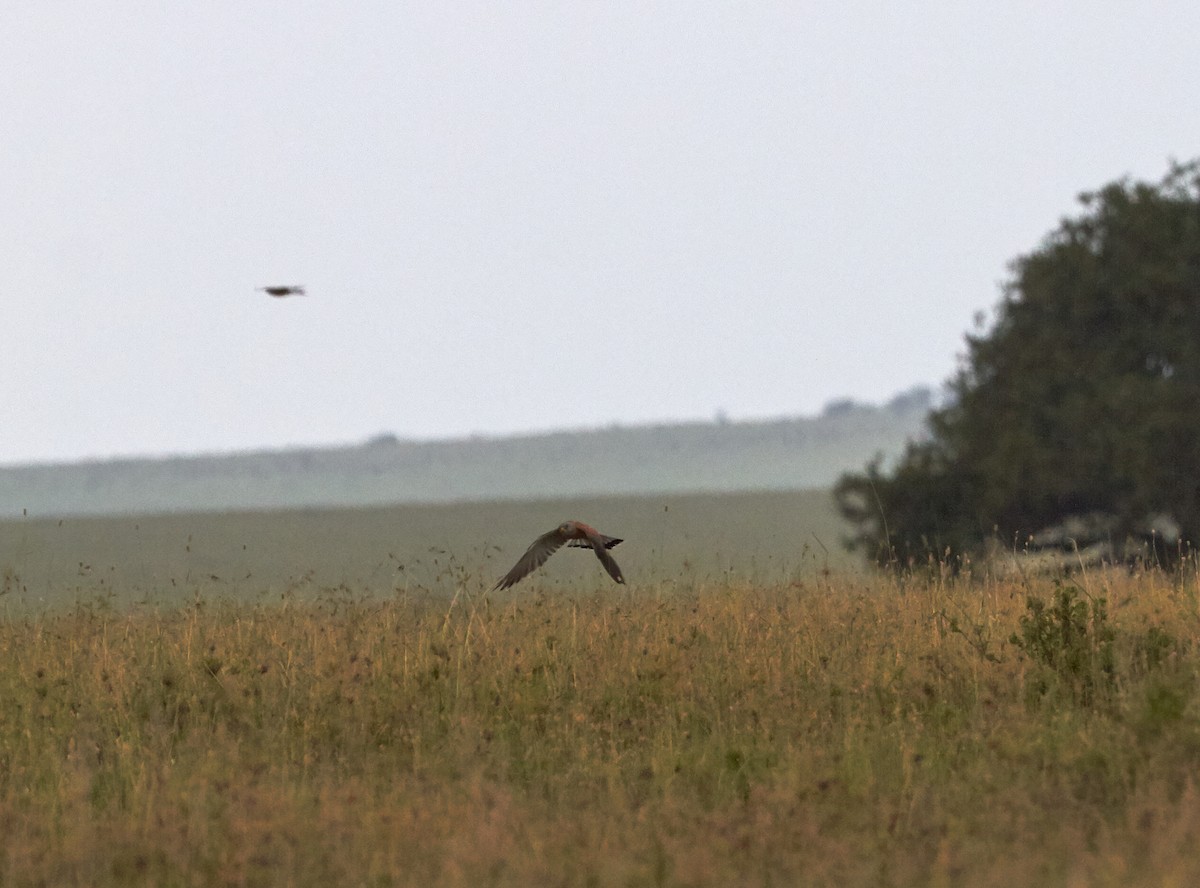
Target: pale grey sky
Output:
[{"x": 522, "y": 216}]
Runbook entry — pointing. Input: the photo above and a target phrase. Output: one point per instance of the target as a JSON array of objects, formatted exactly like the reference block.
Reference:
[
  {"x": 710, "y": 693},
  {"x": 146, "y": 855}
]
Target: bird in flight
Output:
[
  {"x": 285, "y": 290},
  {"x": 573, "y": 533}
]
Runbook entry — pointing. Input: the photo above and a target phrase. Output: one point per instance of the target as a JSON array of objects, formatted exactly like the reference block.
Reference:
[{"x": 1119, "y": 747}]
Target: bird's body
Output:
[
  {"x": 570, "y": 533},
  {"x": 284, "y": 290}
]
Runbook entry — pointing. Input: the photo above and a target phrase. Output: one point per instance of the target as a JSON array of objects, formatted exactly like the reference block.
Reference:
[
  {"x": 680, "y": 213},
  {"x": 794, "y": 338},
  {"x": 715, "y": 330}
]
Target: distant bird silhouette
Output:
[
  {"x": 573, "y": 533},
  {"x": 285, "y": 290}
]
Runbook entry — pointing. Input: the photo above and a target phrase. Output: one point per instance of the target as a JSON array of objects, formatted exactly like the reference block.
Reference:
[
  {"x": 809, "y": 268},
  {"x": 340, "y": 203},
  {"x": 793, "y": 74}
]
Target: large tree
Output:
[{"x": 1082, "y": 399}]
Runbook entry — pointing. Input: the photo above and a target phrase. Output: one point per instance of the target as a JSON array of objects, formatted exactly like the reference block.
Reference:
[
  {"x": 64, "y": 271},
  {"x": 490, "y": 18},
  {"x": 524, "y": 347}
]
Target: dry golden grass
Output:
[{"x": 844, "y": 731}]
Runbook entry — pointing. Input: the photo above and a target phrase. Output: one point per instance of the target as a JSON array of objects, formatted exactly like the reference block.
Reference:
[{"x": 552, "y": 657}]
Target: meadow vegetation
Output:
[
  {"x": 825, "y": 730},
  {"x": 170, "y": 559}
]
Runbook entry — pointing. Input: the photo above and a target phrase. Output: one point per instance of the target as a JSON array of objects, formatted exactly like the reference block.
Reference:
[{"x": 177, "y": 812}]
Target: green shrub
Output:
[{"x": 1071, "y": 639}]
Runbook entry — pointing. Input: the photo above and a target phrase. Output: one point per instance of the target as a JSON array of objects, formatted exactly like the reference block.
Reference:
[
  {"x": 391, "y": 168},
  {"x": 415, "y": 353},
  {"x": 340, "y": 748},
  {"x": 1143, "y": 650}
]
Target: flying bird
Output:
[
  {"x": 572, "y": 533},
  {"x": 285, "y": 290}
]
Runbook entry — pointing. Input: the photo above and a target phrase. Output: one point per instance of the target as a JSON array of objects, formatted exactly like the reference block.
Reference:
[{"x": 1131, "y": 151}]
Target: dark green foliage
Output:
[
  {"x": 1071, "y": 638},
  {"x": 1082, "y": 399}
]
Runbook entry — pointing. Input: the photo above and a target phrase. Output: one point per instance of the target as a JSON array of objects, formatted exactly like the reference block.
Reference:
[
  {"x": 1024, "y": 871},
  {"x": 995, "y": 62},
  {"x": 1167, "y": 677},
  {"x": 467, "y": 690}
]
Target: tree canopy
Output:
[{"x": 1082, "y": 399}]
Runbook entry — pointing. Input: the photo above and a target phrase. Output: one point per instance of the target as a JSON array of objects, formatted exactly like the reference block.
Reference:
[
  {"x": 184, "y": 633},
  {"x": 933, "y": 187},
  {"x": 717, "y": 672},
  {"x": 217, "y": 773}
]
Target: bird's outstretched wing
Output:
[
  {"x": 535, "y": 556},
  {"x": 601, "y": 546}
]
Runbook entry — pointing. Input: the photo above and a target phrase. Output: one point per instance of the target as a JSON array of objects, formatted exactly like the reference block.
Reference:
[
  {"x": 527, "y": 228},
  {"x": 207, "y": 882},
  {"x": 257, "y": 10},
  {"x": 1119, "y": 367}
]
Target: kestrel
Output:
[
  {"x": 573, "y": 533},
  {"x": 285, "y": 290}
]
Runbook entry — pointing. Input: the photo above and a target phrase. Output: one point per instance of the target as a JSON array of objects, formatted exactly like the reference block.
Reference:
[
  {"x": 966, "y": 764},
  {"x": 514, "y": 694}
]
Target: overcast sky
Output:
[{"x": 514, "y": 217}]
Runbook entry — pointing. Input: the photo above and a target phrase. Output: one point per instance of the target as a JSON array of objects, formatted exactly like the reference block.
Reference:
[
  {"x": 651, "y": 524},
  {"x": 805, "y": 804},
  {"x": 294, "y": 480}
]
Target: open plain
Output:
[
  {"x": 341, "y": 702},
  {"x": 435, "y": 548}
]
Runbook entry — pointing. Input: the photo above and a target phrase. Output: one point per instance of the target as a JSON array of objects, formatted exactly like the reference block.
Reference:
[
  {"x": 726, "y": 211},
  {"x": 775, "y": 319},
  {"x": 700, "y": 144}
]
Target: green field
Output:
[
  {"x": 166, "y": 559},
  {"x": 176, "y": 709}
]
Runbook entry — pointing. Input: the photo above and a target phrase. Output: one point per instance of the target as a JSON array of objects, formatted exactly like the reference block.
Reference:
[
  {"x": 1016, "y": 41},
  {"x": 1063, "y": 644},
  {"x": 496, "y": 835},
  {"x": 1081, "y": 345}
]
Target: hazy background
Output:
[
  {"x": 517, "y": 217},
  {"x": 778, "y": 455}
]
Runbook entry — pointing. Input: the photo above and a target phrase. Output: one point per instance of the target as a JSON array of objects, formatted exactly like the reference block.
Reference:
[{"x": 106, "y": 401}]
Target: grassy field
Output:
[
  {"x": 168, "y": 559},
  {"x": 732, "y": 728}
]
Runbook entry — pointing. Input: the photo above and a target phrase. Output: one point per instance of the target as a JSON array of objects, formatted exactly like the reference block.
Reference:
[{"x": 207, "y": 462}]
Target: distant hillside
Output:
[{"x": 704, "y": 456}]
